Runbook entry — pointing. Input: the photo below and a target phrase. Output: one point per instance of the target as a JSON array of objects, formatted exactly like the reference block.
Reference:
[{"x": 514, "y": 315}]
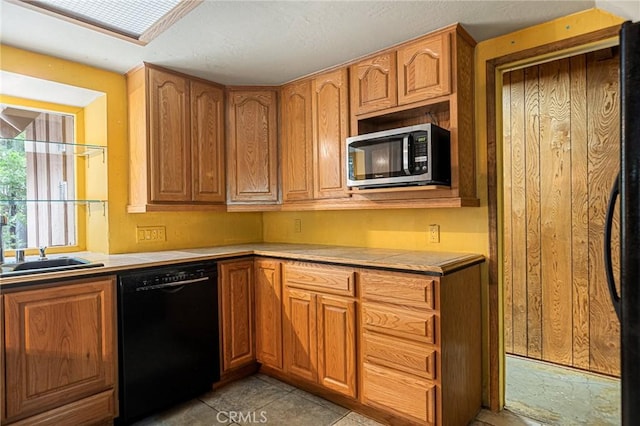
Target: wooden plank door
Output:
[
  {"x": 300, "y": 334},
  {"x": 268, "y": 287},
  {"x": 561, "y": 155}
]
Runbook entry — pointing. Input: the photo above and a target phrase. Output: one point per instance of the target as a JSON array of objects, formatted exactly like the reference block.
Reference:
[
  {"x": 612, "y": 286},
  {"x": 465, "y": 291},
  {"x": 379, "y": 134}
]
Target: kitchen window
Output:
[{"x": 37, "y": 178}]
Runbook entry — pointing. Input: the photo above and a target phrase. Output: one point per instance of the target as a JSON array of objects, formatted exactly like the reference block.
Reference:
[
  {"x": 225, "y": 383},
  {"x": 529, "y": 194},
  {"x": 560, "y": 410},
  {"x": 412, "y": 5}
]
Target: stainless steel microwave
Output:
[{"x": 414, "y": 155}]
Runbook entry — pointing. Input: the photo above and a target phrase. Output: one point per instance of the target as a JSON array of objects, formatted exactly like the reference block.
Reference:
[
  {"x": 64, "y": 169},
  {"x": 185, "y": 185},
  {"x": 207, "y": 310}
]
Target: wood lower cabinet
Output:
[
  {"x": 252, "y": 141},
  {"x": 424, "y": 342},
  {"x": 60, "y": 353},
  {"x": 336, "y": 343},
  {"x": 236, "y": 290},
  {"x": 319, "y": 327},
  {"x": 176, "y": 141},
  {"x": 268, "y": 288}
]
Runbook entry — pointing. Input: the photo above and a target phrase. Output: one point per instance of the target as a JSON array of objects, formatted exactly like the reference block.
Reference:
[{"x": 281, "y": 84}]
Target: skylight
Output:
[{"x": 135, "y": 20}]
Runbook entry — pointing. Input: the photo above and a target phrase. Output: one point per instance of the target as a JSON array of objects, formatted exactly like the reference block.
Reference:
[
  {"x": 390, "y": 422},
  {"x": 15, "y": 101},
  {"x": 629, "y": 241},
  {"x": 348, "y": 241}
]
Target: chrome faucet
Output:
[
  {"x": 43, "y": 254},
  {"x": 3, "y": 222}
]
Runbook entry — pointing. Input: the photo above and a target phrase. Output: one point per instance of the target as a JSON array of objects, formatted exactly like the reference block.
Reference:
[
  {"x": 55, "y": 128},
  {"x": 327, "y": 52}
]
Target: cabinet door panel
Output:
[
  {"x": 419, "y": 326},
  {"x": 268, "y": 313},
  {"x": 297, "y": 142},
  {"x": 236, "y": 290},
  {"x": 374, "y": 84},
  {"x": 169, "y": 137},
  {"x": 253, "y": 146},
  {"x": 424, "y": 69},
  {"x": 59, "y": 345},
  {"x": 406, "y": 395},
  {"x": 330, "y": 130},
  {"x": 207, "y": 121},
  {"x": 300, "y": 335},
  {"x": 336, "y": 344},
  {"x": 402, "y": 355}
]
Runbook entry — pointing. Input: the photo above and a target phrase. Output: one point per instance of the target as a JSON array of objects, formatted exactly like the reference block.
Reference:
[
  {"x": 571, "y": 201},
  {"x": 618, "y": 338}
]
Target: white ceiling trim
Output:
[{"x": 36, "y": 89}]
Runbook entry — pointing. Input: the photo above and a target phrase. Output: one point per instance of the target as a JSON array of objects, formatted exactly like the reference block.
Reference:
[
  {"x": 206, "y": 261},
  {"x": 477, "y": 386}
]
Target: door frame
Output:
[{"x": 495, "y": 67}]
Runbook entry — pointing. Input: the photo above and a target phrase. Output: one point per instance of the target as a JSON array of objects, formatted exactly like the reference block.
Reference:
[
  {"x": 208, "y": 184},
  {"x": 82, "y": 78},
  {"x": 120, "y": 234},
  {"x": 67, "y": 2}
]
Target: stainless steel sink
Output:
[{"x": 46, "y": 265}]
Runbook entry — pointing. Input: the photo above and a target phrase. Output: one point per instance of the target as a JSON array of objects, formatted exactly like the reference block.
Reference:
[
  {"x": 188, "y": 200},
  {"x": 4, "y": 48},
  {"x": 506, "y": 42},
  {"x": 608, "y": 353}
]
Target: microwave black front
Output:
[{"x": 415, "y": 155}]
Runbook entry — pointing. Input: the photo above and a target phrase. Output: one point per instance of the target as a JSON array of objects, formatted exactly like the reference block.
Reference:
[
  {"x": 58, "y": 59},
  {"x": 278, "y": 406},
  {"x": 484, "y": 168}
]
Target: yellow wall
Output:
[
  {"x": 461, "y": 229},
  {"x": 115, "y": 232}
]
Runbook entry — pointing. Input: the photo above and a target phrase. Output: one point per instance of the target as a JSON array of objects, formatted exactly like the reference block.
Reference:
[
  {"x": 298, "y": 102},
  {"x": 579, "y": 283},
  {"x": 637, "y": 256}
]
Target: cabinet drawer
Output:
[
  {"x": 328, "y": 279},
  {"x": 399, "y": 393},
  {"x": 96, "y": 409},
  {"x": 420, "y": 326},
  {"x": 400, "y": 288},
  {"x": 399, "y": 355}
]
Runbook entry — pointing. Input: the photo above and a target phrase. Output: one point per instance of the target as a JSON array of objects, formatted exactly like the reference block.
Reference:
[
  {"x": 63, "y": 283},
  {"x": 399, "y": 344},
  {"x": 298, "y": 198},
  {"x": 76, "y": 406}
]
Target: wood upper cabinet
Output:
[
  {"x": 60, "y": 352},
  {"x": 170, "y": 137},
  {"x": 176, "y": 136},
  {"x": 319, "y": 326},
  {"x": 253, "y": 146},
  {"x": 237, "y": 306},
  {"x": 207, "y": 134},
  {"x": 424, "y": 69},
  {"x": 297, "y": 142},
  {"x": 330, "y": 130},
  {"x": 374, "y": 84},
  {"x": 268, "y": 288}
]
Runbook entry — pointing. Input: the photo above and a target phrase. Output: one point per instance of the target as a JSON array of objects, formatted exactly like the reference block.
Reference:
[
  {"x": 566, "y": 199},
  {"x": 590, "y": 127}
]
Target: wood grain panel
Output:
[
  {"x": 328, "y": 279},
  {"x": 397, "y": 288},
  {"x": 268, "y": 288},
  {"x": 297, "y": 142},
  {"x": 300, "y": 334},
  {"x": 207, "y": 133},
  {"x": 374, "y": 84},
  {"x": 236, "y": 300},
  {"x": 424, "y": 69},
  {"x": 555, "y": 230},
  {"x": 337, "y": 344},
  {"x": 532, "y": 199},
  {"x": 518, "y": 214},
  {"x": 579, "y": 212},
  {"x": 169, "y": 133},
  {"x": 330, "y": 130},
  {"x": 411, "y": 397},
  {"x": 253, "y": 146},
  {"x": 59, "y": 344},
  {"x": 571, "y": 154},
  {"x": 603, "y": 146},
  {"x": 507, "y": 271},
  {"x": 400, "y": 355},
  {"x": 418, "y": 326}
]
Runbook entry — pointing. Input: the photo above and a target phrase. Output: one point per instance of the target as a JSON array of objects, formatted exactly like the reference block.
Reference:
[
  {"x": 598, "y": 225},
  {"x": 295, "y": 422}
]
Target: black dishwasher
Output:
[{"x": 168, "y": 337}]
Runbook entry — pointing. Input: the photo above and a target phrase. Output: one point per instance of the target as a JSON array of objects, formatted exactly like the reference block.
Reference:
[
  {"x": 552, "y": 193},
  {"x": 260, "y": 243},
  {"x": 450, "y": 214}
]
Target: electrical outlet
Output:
[
  {"x": 434, "y": 233},
  {"x": 297, "y": 226},
  {"x": 147, "y": 234}
]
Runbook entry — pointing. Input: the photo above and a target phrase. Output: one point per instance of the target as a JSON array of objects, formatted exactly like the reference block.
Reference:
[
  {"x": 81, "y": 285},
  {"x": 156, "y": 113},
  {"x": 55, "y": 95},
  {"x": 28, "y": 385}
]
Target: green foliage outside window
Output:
[{"x": 13, "y": 186}]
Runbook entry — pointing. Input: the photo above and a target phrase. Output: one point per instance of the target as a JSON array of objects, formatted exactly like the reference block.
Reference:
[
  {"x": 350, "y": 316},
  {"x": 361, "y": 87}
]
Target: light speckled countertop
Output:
[{"x": 435, "y": 263}]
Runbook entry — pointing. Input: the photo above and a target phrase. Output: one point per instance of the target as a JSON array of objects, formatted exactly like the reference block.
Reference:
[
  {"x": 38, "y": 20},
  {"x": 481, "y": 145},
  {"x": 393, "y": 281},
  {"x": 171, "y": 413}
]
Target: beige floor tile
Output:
[
  {"x": 282, "y": 385},
  {"x": 192, "y": 413},
  {"x": 246, "y": 395},
  {"x": 505, "y": 418},
  {"x": 295, "y": 410},
  {"x": 321, "y": 401},
  {"x": 356, "y": 419}
]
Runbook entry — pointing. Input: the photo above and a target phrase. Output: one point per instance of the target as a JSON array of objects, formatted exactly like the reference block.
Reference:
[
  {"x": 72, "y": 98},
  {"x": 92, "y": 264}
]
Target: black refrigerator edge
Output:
[{"x": 627, "y": 185}]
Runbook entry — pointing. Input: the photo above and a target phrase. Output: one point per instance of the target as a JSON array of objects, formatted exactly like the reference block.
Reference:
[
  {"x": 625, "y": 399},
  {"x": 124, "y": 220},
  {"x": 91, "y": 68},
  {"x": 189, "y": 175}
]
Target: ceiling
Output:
[{"x": 272, "y": 42}]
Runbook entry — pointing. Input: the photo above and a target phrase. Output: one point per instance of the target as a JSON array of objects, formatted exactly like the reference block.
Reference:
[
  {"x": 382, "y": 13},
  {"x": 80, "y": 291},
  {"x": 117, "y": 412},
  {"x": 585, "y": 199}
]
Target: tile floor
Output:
[
  {"x": 260, "y": 399},
  {"x": 557, "y": 395}
]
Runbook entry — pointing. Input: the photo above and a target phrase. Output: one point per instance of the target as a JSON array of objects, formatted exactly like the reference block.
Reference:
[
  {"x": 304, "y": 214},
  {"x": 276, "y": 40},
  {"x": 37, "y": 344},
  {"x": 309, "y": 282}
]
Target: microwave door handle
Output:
[{"x": 405, "y": 154}]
